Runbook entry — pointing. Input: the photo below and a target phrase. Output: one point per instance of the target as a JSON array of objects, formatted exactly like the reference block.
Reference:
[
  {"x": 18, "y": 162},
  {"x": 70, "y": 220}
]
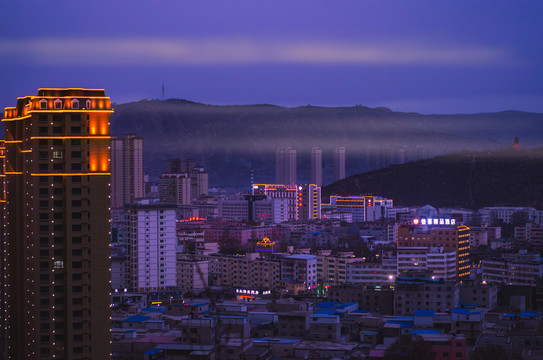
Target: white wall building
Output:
[
  {"x": 300, "y": 268},
  {"x": 150, "y": 232}
]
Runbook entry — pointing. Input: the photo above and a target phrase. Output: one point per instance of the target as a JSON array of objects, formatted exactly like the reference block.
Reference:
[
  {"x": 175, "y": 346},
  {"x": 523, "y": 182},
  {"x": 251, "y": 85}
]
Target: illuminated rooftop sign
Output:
[{"x": 434, "y": 221}]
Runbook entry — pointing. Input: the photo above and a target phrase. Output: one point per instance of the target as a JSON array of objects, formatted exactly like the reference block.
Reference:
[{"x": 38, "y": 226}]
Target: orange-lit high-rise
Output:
[{"x": 56, "y": 257}]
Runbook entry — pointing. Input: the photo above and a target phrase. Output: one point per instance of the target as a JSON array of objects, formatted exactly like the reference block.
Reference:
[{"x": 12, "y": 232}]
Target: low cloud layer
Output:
[{"x": 240, "y": 51}]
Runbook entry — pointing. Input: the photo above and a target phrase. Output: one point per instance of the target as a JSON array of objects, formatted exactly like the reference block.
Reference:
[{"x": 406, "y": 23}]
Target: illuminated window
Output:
[
  {"x": 57, "y": 154},
  {"x": 75, "y": 104},
  {"x": 58, "y": 104},
  {"x": 58, "y": 264},
  {"x": 43, "y": 104}
]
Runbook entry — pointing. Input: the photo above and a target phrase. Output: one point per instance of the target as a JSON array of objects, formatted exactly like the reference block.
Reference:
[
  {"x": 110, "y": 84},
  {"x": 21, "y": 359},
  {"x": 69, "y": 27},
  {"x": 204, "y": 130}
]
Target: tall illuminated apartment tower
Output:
[
  {"x": 339, "y": 163},
  {"x": 316, "y": 166},
  {"x": 56, "y": 258},
  {"x": 127, "y": 170}
]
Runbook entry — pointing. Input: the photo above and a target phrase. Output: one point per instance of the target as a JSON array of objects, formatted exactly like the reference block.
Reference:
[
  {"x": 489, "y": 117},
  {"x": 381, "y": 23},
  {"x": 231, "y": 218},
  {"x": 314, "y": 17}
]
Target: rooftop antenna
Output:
[{"x": 252, "y": 181}]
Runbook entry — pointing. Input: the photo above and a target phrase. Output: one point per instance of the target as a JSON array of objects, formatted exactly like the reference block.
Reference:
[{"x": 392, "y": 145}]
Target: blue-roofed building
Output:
[{"x": 424, "y": 318}]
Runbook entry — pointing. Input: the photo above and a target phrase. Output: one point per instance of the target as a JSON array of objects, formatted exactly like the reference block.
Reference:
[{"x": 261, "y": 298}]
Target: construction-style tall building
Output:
[
  {"x": 56, "y": 289},
  {"x": 339, "y": 163},
  {"x": 316, "y": 166},
  {"x": 285, "y": 166},
  {"x": 127, "y": 170}
]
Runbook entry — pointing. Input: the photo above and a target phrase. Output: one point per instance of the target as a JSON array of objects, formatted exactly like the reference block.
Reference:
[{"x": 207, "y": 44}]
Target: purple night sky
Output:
[{"x": 429, "y": 56}]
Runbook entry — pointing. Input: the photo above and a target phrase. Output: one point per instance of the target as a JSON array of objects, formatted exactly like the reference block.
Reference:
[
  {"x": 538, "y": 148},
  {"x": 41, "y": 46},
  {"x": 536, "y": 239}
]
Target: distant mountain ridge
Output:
[
  {"x": 473, "y": 180},
  {"x": 229, "y": 140}
]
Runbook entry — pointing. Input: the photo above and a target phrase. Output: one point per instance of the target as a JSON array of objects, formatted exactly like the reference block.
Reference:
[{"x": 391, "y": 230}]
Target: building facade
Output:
[
  {"x": 57, "y": 175},
  {"x": 316, "y": 166},
  {"x": 449, "y": 238},
  {"x": 152, "y": 241},
  {"x": 126, "y": 170},
  {"x": 339, "y": 163},
  {"x": 285, "y": 166}
]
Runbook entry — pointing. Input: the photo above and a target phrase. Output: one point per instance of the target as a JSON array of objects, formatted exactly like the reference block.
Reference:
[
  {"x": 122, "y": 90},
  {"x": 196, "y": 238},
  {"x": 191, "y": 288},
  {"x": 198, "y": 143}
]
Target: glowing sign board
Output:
[{"x": 434, "y": 221}]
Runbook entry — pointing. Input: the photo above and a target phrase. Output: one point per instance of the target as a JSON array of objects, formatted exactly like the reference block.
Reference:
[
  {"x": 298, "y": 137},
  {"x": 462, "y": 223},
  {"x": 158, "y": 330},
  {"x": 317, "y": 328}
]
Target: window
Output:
[
  {"x": 88, "y": 104},
  {"x": 75, "y": 104},
  {"x": 76, "y": 129},
  {"x": 58, "y": 264},
  {"x": 58, "y": 104},
  {"x": 43, "y": 104},
  {"x": 57, "y": 154}
]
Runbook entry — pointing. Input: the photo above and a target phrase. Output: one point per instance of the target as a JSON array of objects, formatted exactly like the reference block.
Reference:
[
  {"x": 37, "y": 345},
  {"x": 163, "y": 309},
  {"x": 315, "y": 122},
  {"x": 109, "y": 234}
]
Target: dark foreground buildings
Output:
[{"x": 55, "y": 247}]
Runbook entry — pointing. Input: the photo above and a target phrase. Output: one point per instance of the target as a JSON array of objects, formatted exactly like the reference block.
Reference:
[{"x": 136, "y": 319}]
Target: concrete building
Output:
[
  {"x": 368, "y": 273},
  {"x": 280, "y": 191},
  {"x": 192, "y": 275},
  {"x": 301, "y": 268},
  {"x": 316, "y": 166},
  {"x": 529, "y": 233},
  {"x": 478, "y": 237},
  {"x": 517, "y": 269},
  {"x": 363, "y": 208},
  {"x": 55, "y": 210},
  {"x": 449, "y": 237},
  {"x": 332, "y": 269},
  {"x": 255, "y": 208},
  {"x": 484, "y": 295},
  {"x": 339, "y": 163},
  {"x": 175, "y": 188},
  {"x": 249, "y": 272},
  {"x": 379, "y": 298},
  {"x": 285, "y": 166},
  {"x": 127, "y": 181},
  {"x": 424, "y": 293},
  {"x": 309, "y": 202},
  {"x": 152, "y": 241},
  {"x": 324, "y": 327}
]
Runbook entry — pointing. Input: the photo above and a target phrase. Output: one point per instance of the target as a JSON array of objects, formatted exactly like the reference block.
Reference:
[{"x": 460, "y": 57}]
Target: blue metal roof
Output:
[
  {"x": 153, "y": 352},
  {"x": 276, "y": 340},
  {"x": 424, "y": 313},
  {"x": 325, "y": 312},
  {"x": 153, "y": 309},
  {"x": 424, "y": 331},
  {"x": 529, "y": 314},
  {"x": 328, "y": 304},
  {"x": 404, "y": 324},
  {"x": 460, "y": 311},
  {"x": 137, "y": 318}
]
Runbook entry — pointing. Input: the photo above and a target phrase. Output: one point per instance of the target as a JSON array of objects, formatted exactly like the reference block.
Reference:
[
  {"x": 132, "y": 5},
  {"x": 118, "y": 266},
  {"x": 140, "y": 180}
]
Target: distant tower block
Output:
[
  {"x": 285, "y": 166},
  {"x": 316, "y": 166},
  {"x": 339, "y": 163}
]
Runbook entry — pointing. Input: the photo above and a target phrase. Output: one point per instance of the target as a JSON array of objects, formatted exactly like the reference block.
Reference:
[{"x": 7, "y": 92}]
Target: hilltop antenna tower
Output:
[{"x": 162, "y": 89}]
